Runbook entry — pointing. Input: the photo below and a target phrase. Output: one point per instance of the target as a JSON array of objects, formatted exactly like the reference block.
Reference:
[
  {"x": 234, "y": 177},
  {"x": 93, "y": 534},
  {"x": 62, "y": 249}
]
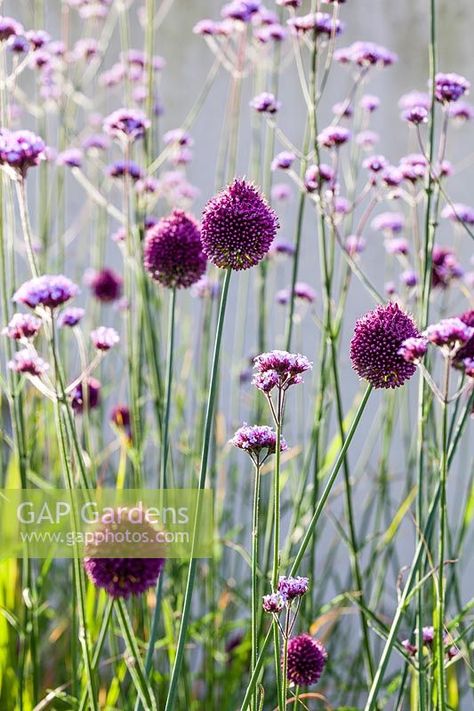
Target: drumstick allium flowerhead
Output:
[
  {"x": 306, "y": 660},
  {"x": 122, "y": 577},
  {"x": 375, "y": 346},
  {"x": 238, "y": 227},
  {"x": 173, "y": 253},
  {"x": 48, "y": 290}
]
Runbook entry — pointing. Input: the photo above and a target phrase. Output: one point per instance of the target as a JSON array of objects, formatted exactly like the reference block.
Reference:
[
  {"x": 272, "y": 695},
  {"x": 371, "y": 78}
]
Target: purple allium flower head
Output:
[
  {"x": 274, "y": 603},
  {"x": 21, "y": 150},
  {"x": 458, "y": 212},
  {"x": 122, "y": 577},
  {"x": 375, "y": 163},
  {"x": 316, "y": 175},
  {"x": 334, "y": 136},
  {"x": 375, "y": 346},
  {"x": 365, "y": 54},
  {"x": 354, "y": 244},
  {"x": 413, "y": 349},
  {"x": 104, "y": 338},
  {"x": 444, "y": 267},
  {"x": 22, "y": 326},
  {"x": 306, "y": 660},
  {"x": 47, "y": 290},
  {"x": 390, "y": 222},
  {"x": 121, "y": 168},
  {"x": 461, "y": 111},
  {"x": 283, "y": 160},
  {"x": 265, "y": 103},
  {"x": 292, "y": 588},
  {"x": 78, "y": 401},
  {"x": 450, "y": 333},
  {"x": 9, "y": 28},
  {"x": 106, "y": 284},
  {"x": 71, "y": 157},
  {"x": 255, "y": 439},
  {"x": 415, "y": 115},
  {"x": 238, "y": 227},
  {"x": 320, "y": 23},
  {"x": 28, "y": 362},
  {"x": 279, "y": 369},
  {"x": 173, "y": 253},
  {"x": 370, "y": 103},
  {"x": 450, "y": 87},
  {"x": 70, "y": 317}
]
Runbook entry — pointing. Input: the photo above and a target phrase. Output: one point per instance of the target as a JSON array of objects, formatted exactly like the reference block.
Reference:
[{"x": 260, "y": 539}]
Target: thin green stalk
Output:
[
  {"x": 439, "y": 613},
  {"x": 276, "y": 543},
  {"x": 175, "y": 673},
  {"x": 169, "y": 381},
  {"x": 25, "y": 223},
  {"x": 255, "y": 585}
]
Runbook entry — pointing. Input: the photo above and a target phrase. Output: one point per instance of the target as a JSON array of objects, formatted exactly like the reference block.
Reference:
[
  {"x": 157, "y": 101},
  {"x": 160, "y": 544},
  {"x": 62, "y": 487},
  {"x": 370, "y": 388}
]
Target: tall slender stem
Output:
[
  {"x": 171, "y": 697},
  {"x": 255, "y": 586}
]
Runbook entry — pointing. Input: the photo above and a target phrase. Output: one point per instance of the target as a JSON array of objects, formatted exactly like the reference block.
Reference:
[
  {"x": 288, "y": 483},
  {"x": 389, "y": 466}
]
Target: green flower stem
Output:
[
  {"x": 276, "y": 541},
  {"x": 330, "y": 482},
  {"x": 170, "y": 700},
  {"x": 256, "y": 603},
  {"x": 25, "y": 224},
  {"x": 169, "y": 381},
  {"x": 440, "y": 673}
]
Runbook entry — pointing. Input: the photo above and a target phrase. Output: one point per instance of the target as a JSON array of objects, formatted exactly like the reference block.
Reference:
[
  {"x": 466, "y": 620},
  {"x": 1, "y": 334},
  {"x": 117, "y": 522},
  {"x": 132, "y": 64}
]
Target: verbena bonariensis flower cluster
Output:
[{"x": 215, "y": 241}]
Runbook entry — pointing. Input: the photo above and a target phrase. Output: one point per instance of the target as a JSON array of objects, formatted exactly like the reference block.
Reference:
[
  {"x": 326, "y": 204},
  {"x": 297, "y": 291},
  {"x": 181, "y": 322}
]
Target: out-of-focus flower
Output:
[
  {"x": 388, "y": 222},
  {"x": 375, "y": 346},
  {"x": 122, "y": 168},
  {"x": 273, "y": 603},
  {"x": 70, "y": 317},
  {"x": 205, "y": 288},
  {"x": 282, "y": 247},
  {"x": 126, "y": 124},
  {"x": 283, "y": 160},
  {"x": 72, "y": 157},
  {"x": 375, "y": 163},
  {"x": 122, "y": 577},
  {"x": 120, "y": 419},
  {"x": 397, "y": 245},
  {"x": 302, "y": 291},
  {"x": 48, "y": 290},
  {"x": 450, "y": 333},
  {"x": 265, "y": 103},
  {"x": 413, "y": 349},
  {"x": 178, "y": 136},
  {"x": 281, "y": 192},
  {"x": 95, "y": 142},
  {"x": 415, "y": 99},
  {"x": 9, "y": 28},
  {"x": 369, "y": 103},
  {"x": 367, "y": 139},
  {"x": 467, "y": 351},
  {"x": 28, "y": 362},
  {"x": 173, "y": 253},
  {"x": 20, "y": 150},
  {"x": 444, "y": 267},
  {"x": 416, "y": 115},
  {"x": 343, "y": 109},
  {"x": 79, "y": 402},
  {"x": 409, "y": 278},
  {"x": 22, "y": 326},
  {"x": 319, "y": 23},
  {"x": 365, "y": 54},
  {"x": 104, "y": 338},
  {"x": 458, "y": 212},
  {"x": 354, "y": 244},
  {"x": 306, "y": 660},
  {"x": 450, "y": 87},
  {"x": 461, "y": 111},
  {"x": 105, "y": 284},
  {"x": 317, "y": 175},
  {"x": 238, "y": 227},
  {"x": 334, "y": 136}
]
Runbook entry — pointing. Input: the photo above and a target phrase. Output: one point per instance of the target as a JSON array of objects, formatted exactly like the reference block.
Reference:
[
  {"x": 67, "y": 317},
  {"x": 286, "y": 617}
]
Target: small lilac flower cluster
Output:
[
  {"x": 279, "y": 369},
  {"x": 259, "y": 441}
]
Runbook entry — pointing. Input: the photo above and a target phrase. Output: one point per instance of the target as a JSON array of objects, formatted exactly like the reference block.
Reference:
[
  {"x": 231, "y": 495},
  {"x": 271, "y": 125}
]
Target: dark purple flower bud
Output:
[
  {"x": 28, "y": 362},
  {"x": 173, "y": 253},
  {"x": 409, "y": 278},
  {"x": 18, "y": 44},
  {"x": 292, "y": 588},
  {"x": 38, "y": 38},
  {"x": 354, "y": 244},
  {"x": 467, "y": 351},
  {"x": 238, "y": 227},
  {"x": 71, "y": 157},
  {"x": 320, "y": 23},
  {"x": 274, "y": 32},
  {"x": 375, "y": 163},
  {"x": 415, "y": 115},
  {"x": 306, "y": 660},
  {"x": 290, "y": 3},
  {"x": 411, "y": 649},
  {"x": 122, "y": 168},
  {"x": 450, "y": 87},
  {"x": 22, "y": 326},
  {"x": 369, "y": 103},
  {"x": 389, "y": 222},
  {"x": 9, "y": 28},
  {"x": 47, "y": 290},
  {"x": 375, "y": 346},
  {"x": 444, "y": 267}
]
